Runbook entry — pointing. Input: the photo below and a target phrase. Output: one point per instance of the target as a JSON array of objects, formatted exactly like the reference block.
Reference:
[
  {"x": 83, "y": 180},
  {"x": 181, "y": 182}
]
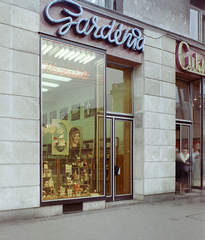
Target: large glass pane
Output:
[
  {"x": 182, "y": 101},
  {"x": 194, "y": 24},
  {"x": 109, "y": 158},
  {"x": 122, "y": 156},
  {"x": 103, "y": 3},
  {"x": 72, "y": 121},
  {"x": 183, "y": 158},
  {"x": 119, "y": 89},
  {"x": 203, "y": 167},
  {"x": 196, "y": 153},
  {"x": 203, "y": 28}
]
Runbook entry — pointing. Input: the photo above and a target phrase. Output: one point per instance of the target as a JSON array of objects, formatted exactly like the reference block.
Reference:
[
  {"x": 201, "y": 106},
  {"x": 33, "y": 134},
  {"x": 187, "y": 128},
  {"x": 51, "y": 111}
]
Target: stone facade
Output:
[
  {"x": 154, "y": 149},
  {"x": 19, "y": 111},
  {"x": 154, "y": 108}
]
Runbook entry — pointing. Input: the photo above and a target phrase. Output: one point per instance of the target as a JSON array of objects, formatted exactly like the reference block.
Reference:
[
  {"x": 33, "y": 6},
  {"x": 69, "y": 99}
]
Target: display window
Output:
[
  {"x": 119, "y": 89},
  {"x": 72, "y": 121}
]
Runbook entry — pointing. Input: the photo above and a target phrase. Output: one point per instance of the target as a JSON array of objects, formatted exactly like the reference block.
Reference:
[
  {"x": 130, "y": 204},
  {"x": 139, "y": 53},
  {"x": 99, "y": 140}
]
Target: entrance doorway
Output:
[
  {"x": 183, "y": 157},
  {"x": 119, "y": 159}
]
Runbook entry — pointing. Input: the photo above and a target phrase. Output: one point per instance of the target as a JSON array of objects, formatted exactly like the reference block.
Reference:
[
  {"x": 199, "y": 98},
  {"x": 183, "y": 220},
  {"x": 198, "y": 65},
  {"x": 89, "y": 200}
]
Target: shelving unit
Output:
[{"x": 73, "y": 175}]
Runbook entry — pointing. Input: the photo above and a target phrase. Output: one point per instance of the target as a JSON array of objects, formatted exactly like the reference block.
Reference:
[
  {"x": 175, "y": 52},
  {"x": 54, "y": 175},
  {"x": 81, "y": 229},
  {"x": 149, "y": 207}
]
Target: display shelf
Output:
[{"x": 74, "y": 173}]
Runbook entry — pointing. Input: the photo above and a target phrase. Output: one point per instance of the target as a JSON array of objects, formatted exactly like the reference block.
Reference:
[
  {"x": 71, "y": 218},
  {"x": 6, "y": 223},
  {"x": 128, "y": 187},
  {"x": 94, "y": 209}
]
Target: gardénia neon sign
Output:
[{"x": 83, "y": 26}]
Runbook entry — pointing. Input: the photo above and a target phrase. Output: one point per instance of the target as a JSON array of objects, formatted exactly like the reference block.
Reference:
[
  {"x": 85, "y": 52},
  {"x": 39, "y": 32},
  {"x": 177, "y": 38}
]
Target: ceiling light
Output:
[
  {"x": 45, "y": 90},
  {"x": 74, "y": 55},
  {"x": 85, "y": 58},
  {"x": 89, "y": 59},
  {"x": 48, "y": 84},
  {"x": 99, "y": 62},
  {"x": 54, "y": 50},
  {"x": 44, "y": 45},
  {"x": 64, "y": 53},
  {"x": 79, "y": 57},
  {"x": 56, "y": 77},
  {"x": 68, "y": 55},
  {"x": 59, "y": 52},
  {"x": 47, "y": 49}
]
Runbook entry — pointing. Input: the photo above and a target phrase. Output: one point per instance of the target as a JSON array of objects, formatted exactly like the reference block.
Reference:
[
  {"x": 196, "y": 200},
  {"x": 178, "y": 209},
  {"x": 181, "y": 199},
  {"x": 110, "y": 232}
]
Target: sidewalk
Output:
[{"x": 183, "y": 218}]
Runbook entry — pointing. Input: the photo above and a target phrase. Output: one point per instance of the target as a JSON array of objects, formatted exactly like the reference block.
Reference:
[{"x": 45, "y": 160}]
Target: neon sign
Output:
[
  {"x": 187, "y": 60},
  {"x": 83, "y": 26}
]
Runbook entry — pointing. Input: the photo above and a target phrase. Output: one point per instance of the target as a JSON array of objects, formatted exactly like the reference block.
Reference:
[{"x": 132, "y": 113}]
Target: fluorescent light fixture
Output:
[
  {"x": 48, "y": 84},
  {"x": 54, "y": 50},
  {"x": 89, "y": 59},
  {"x": 74, "y": 55},
  {"x": 56, "y": 77},
  {"x": 79, "y": 57},
  {"x": 59, "y": 52},
  {"x": 49, "y": 47},
  {"x": 68, "y": 55},
  {"x": 45, "y": 90},
  {"x": 99, "y": 62},
  {"x": 63, "y": 53},
  {"x": 85, "y": 58},
  {"x": 44, "y": 45}
]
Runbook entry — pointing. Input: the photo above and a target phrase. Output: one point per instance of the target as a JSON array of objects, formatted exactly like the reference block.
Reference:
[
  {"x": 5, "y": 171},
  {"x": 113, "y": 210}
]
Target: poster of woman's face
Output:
[{"x": 75, "y": 137}]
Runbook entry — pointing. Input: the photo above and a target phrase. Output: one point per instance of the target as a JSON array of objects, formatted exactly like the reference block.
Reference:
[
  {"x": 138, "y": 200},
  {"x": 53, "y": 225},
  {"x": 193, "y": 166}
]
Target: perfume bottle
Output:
[{"x": 75, "y": 175}]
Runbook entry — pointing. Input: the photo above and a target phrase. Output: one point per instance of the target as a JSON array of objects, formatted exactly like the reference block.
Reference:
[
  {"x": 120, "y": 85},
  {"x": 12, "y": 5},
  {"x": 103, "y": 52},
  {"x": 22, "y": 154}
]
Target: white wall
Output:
[
  {"x": 154, "y": 149},
  {"x": 19, "y": 108},
  {"x": 170, "y": 15}
]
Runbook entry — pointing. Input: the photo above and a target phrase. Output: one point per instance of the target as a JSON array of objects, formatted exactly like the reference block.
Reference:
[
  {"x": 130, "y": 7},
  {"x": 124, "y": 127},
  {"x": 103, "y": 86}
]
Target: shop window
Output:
[
  {"x": 183, "y": 105},
  {"x": 196, "y": 156},
  {"x": 72, "y": 121},
  {"x": 119, "y": 89}
]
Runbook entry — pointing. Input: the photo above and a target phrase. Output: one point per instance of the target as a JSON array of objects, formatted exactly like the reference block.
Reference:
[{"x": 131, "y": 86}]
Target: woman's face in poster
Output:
[{"x": 76, "y": 138}]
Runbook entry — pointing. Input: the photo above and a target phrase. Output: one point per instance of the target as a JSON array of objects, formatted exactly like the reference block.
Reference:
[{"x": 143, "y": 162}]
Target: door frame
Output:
[
  {"x": 188, "y": 124},
  {"x": 112, "y": 140}
]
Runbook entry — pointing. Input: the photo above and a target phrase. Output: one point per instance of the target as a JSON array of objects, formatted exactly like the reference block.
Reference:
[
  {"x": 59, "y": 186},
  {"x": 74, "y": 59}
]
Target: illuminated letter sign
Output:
[
  {"x": 187, "y": 60},
  {"x": 83, "y": 26}
]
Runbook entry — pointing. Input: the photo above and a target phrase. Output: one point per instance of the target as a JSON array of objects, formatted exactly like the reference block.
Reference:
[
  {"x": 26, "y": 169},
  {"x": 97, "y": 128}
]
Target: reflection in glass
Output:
[
  {"x": 183, "y": 158},
  {"x": 194, "y": 22},
  {"x": 119, "y": 89},
  {"x": 183, "y": 105},
  {"x": 122, "y": 156},
  {"x": 72, "y": 126},
  {"x": 108, "y": 159},
  {"x": 196, "y": 153},
  {"x": 203, "y": 28}
]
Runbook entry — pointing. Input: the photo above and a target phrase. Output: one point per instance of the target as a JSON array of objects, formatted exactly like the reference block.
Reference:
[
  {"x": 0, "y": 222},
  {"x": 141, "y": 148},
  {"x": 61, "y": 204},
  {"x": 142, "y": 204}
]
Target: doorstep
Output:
[
  {"x": 193, "y": 194},
  {"x": 122, "y": 203}
]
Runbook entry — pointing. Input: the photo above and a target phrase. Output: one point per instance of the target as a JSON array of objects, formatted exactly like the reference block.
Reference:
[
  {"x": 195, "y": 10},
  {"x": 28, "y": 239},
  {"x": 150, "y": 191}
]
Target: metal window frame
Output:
[
  {"x": 200, "y": 22},
  {"x": 66, "y": 200}
]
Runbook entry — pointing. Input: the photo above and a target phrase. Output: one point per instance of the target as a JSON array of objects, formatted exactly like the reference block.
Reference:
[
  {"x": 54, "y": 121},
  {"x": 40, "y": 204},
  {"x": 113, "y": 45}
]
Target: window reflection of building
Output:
[{"x": 197, "y": 20}]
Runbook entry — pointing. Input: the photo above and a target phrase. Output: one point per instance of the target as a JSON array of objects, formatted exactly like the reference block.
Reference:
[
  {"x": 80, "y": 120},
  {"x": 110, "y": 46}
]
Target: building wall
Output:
[
  {"x": 170, "y": 15},
  {"x": 154, "y": 87},
  {"x": 154, "y": 148},
  {"x": 19, "y": 109}
]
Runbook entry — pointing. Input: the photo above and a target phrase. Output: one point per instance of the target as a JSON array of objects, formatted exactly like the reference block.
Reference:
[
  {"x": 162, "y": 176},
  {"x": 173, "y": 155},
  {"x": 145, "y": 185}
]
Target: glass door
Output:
[
  {"x": 183, "y": 158},
  {"x": 118, "y": 159}
]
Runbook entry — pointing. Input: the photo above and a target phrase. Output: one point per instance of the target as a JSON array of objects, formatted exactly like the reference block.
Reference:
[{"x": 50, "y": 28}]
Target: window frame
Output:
[
  {"x": 111, "y": 2},
  {"x": 201, "y": 25},
  {"x": 66, "y": 200}
]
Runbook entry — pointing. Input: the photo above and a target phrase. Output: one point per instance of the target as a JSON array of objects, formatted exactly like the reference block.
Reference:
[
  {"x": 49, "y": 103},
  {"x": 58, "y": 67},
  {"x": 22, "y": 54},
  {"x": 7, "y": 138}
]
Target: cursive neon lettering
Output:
[
  {"x": 52, "y": 69},
  {"x": 190, "y": 63},
  {"x": 83, "y": 26}
]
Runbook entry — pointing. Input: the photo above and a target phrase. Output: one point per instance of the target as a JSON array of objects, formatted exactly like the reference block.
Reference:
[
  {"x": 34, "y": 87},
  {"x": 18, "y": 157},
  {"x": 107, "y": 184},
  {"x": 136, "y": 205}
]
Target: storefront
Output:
[
  {"x": 92, "y": 102},
  {"x": 86, "y": 105},
  {"x": 190, "y": 113}
]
